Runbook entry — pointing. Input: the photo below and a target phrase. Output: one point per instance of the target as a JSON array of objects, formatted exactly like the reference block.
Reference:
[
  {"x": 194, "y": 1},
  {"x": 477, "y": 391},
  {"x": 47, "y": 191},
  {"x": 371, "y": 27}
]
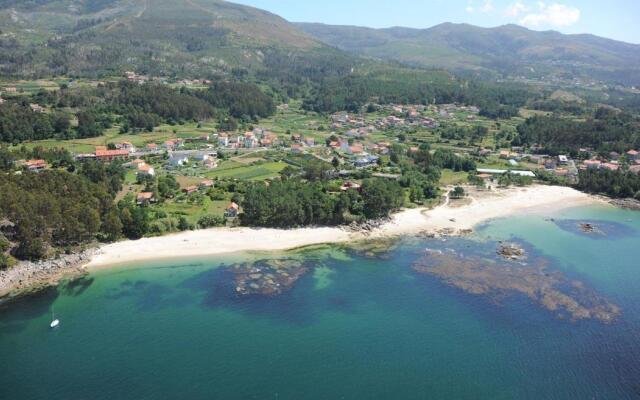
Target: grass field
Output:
[
  {"x": 193, "y": 212},
  {"x": 112, "y": 135},
  {"x": 255, "y": 172},
  {"x": 450, "y": 177}
]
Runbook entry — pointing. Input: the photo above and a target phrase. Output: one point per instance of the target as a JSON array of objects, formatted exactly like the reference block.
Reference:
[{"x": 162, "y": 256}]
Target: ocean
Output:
[{"x": 420, "y": 318}]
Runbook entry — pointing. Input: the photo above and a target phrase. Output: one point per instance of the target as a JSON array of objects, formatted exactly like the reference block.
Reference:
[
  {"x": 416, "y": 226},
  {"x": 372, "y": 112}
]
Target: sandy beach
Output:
[{"x": 453, "y": 217}]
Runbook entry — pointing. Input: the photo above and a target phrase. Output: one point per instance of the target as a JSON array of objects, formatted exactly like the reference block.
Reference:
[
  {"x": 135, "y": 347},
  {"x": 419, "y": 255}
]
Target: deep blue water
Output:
[{"x": 354, "y": 327}]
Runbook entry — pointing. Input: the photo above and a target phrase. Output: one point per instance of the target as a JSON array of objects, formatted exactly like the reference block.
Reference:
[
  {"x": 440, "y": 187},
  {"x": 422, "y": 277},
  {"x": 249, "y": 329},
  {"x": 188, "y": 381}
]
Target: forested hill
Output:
[
  {"x": 506, "y": 50},
  {"x": 157, "y": 37}
]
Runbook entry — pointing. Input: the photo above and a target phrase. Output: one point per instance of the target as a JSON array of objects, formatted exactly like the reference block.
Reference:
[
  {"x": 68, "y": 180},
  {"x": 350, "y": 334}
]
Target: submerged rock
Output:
[
  {"x": 267, "y": 277},
  {"x": 590, "y": 228},
  {"x": 511, "y": 251},
  {"x": 549, "y": 289},
  {"x": 378, "y": 248}
]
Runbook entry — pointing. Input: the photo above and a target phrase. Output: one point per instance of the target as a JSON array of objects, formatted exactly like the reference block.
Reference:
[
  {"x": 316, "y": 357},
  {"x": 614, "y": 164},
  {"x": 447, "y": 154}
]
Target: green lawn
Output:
[
  {"x": 193, "y": 212},
  {"x": 235, "y": 170},
  {"x": 450, "y": 177}
]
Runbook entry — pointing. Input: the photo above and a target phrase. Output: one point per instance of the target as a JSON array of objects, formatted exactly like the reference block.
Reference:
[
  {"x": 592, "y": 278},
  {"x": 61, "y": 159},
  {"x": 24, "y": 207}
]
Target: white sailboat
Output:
[{"x": 54, "y": 322}]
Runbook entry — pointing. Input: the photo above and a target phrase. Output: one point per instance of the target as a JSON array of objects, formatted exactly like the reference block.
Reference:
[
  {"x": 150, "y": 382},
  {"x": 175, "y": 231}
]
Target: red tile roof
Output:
[
  {"x": 145, "y": 195},
  {"x": 111, "y": 153}
]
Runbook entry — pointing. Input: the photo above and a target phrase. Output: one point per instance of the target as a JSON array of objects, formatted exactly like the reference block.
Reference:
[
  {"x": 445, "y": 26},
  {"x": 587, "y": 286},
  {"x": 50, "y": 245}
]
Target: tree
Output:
[
  {"x": 183, "y": 224},
  {"x": 335, "y": 162},
  {"x": 458, "y": 192},
  {"x": 112, "y": 226},
  {"x": 380, "y": 197}
]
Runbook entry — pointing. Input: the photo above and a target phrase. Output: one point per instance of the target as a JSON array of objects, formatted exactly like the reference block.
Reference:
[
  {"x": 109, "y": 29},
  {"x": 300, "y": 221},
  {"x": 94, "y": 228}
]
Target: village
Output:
[
  {"x": 201, "y": 156},
  {"x": 354, "y": 140}
]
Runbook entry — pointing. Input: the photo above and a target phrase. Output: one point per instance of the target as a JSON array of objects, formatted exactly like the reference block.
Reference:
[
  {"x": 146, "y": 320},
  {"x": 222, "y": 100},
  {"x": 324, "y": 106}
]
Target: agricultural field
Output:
[{"x": 259, "y": 170}]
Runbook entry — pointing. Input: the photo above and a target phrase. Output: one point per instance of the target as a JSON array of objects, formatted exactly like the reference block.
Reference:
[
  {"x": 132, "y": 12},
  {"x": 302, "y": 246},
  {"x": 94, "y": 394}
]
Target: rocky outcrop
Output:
[
  {"x": 27, "y": 277},
  {"x": 547, "y": 288},
  {"x": 267, "y": 277},
  {"x": 630, "y": 204},
  {"x": 511, "y": 251}
]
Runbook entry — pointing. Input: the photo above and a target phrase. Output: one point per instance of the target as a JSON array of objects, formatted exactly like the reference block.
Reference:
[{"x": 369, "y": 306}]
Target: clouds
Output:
[
  {"x": 554, "y": 15},
  {"x": 516, "y": 9},
  {"x": 485, "y": 7}
]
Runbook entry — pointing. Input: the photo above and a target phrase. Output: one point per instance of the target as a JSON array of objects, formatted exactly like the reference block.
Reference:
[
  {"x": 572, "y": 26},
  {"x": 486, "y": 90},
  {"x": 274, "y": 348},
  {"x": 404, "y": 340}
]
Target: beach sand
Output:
[
  {"x": 454, "y": 217},
  {"x": 450, "y": 218}
]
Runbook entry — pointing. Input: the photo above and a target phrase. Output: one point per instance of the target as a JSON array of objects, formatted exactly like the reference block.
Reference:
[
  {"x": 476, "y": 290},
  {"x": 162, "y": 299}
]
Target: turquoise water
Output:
[{"x": 355, "y": 327}]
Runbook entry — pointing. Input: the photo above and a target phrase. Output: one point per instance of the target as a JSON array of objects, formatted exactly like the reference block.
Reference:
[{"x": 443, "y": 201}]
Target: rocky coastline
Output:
[
  {"x": 628, "y": 204},
  {"x": 29, "y": 277}
]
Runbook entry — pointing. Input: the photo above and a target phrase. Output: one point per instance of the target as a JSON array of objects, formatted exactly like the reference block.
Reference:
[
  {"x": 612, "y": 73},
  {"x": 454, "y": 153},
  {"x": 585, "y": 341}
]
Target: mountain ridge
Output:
[{"x": 500, "y": 51}]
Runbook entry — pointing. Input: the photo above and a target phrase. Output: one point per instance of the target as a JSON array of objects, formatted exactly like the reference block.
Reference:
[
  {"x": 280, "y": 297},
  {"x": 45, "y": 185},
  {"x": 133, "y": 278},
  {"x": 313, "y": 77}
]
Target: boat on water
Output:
[{"x": 54, "y": 322}]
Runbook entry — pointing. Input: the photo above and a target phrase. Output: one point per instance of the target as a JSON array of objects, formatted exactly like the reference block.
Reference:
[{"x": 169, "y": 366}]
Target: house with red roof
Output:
[
  {"x": 610, "y": 166},
  {"x": 633, "y": 155},
  {"x": 145, "y": 198},
  {"x": 190, "y": 189},
  {"x": 232, "y": 210},
  {"x": 36, "y": 165},
  {"x": 111, "y": 155},
  {"x": 207, "y": 183},
  {"x": 146, "y": 169}
]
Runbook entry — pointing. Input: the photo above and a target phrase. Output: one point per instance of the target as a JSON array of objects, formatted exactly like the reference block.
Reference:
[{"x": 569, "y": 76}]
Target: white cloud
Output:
[
  {"x": 486, "y": 7},
  {"x": 555, "y": 15},
  {"x": 516, "y": 9}
]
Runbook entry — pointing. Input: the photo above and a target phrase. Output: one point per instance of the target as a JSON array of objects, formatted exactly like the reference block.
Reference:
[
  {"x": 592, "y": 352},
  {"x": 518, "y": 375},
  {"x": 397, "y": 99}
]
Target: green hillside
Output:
[
  {"x": 508, "y": 50},
  {"x": 161, "y": 37}
]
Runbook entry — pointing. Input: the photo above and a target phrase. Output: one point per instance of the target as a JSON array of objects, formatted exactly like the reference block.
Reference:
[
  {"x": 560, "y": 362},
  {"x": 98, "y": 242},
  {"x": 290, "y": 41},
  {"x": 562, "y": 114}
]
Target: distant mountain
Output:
[
  {"x": 156, "y": 36},
  {"x": 509, "y": 50}
]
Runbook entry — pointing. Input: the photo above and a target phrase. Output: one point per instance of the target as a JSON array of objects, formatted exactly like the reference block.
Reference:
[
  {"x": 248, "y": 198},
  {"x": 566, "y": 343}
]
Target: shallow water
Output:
[{"x": 353, "y": 327}]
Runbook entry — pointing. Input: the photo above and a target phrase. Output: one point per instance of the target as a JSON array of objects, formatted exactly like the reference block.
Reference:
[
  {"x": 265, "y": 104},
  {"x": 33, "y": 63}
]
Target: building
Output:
[
  {"x": 250, "y": 140},
  {"x": 152, "y": 147},
  {"x": 137, "y": 162},
  {"x": 178, "y": 160},
  {"x": 356, "y": 149},
  {"x": 126, "y": 146},
  {"x": 223, "y": 140},
  {"x": 592, "y": 164},
  {"x": 145, "y": 198},
  {"x": 111, "y": 155},
  {"x": 232, "y": 210},
  {"x": 350, "y": 186},
  {"x": 297, "y": 148},
  {"x": 207, "y": 183},
  {"x": 190, "y": 189},
  {"x": 504, "y": 171},
  {"x": 36, "y": 108},
  {"x": 633, "y": 155},
  {"x": 36, "y": 165},
  {"x": 563, "y": 160},
  {"x": 146, "y": 170},
  {"x": 210, "y": 163},
  {"x": 368, "y": 161}
]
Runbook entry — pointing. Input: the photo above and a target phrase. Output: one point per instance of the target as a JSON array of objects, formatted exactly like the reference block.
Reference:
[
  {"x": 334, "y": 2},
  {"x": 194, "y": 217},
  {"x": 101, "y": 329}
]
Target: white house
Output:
[
  {"x": 178, "y": 160},
  {"x": 146, "y": 169}
]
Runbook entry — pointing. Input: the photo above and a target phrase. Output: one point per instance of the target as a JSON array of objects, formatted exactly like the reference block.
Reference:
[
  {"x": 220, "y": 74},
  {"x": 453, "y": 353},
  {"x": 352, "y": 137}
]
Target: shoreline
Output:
[{"x": 454, "y": 217}]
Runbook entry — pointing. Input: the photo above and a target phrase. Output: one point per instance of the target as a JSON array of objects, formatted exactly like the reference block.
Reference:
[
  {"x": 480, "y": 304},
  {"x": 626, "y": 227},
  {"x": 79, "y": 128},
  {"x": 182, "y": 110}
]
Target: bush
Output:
[
  {"x": 184, "y": 225},
  {"x": 458, "y": 192},
  {"x": 210, "y": 221}
]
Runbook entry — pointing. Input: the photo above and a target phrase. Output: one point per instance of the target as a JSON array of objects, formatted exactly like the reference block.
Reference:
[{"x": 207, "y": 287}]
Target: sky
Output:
[{"x": 615, "y": 19}]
